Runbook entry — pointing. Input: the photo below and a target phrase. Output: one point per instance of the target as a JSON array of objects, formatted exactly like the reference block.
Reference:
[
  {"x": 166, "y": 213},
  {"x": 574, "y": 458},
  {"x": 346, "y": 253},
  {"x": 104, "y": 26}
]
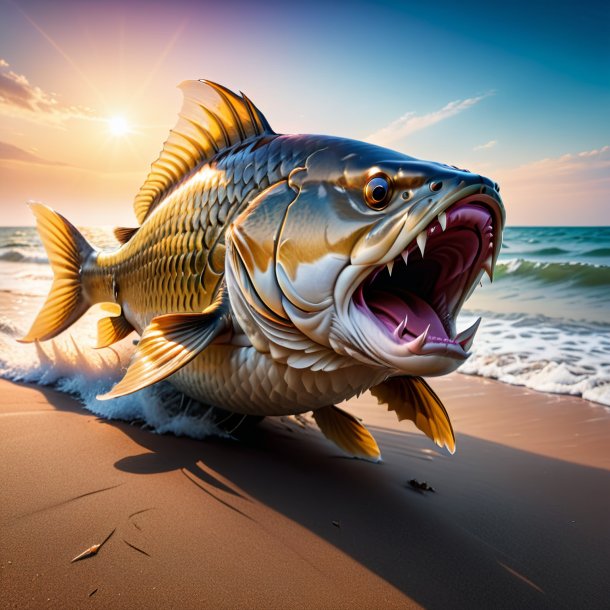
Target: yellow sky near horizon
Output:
[{"x": 92, "y": 196}]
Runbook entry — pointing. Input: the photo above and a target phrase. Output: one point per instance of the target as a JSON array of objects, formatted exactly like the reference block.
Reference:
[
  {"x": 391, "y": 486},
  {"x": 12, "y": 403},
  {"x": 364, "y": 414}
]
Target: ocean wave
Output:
[
  {"x": 597, "y": 252},
  {"x": 548, "y": 252},
  {"x": 36, "y": 274},
  {"x": 8, "y": 327},
  {"x": 18, "y": 256},
  {"x": 18, "y": 244},
  {"x": 542, "y": 353},
  {"x": 575, "y": 274}
]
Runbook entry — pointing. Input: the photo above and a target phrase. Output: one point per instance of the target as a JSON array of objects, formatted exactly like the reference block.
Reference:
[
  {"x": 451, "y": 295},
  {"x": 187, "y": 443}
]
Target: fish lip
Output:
[{"x": 480, "y": 197}]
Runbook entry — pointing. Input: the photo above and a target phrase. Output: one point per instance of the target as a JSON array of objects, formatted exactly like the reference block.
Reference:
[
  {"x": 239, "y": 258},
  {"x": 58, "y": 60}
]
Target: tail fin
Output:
[{"x": 67, "y": 250}]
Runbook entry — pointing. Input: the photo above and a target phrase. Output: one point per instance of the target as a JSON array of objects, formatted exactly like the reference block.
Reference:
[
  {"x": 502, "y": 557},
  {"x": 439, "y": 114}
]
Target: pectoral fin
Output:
[
  {"x": 169, "y": 342},
  {"x": 412, "y": 398},
  {"x": 346, "y": 432},
  {"x": 113, "y": 328}
]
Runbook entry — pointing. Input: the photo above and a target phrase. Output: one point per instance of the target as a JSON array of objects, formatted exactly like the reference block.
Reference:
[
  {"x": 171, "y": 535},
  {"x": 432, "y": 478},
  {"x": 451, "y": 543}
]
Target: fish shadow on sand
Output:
[{"x": 511, "y": 522}]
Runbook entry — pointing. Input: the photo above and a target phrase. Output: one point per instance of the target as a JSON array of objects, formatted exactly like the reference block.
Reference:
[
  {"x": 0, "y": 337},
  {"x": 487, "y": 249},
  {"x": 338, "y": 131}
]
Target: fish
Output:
[{"x": 277, "y": 274}]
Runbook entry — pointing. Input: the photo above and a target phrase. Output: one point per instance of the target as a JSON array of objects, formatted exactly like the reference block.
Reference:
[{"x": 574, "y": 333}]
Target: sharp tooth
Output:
[
  {"x": 442, "y": 220},
  {"x": 421, "y": 241},
  {"x": 467, "y": 344},
  {"x": 488, "y": 267},
  {"x": 400, "y": 329},
  {"x": 390, "y": 267},
  {"x": 466, "y": 337},
  {"x": 405, "y": 256},
  {"x": 416, "y": 345}
]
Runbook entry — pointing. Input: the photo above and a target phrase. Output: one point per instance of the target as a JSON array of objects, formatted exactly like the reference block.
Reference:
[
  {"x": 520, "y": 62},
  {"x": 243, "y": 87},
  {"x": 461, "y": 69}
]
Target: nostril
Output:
[{"x": 436, "y": 186}]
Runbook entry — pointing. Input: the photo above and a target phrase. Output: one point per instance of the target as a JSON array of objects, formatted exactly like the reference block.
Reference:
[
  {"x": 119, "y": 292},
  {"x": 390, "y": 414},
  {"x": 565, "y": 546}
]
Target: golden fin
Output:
[
  {"x": 113, "y": 309},
  {"x": 412, "y": 398},
  {"x": 124, "y": 234},
  {"x": 212, "y": 119},
  {"x": 67, "y": 250},
  {"x": 170, "y": 342},
  {"x": 113, "y": 328},
  {"x": 346, "y": 432}
]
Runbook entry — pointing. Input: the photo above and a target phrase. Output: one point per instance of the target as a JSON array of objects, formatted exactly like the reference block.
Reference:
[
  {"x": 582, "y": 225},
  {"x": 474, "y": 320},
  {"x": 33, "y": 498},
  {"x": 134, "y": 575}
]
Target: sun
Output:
[{"x": 118, "y": 126}]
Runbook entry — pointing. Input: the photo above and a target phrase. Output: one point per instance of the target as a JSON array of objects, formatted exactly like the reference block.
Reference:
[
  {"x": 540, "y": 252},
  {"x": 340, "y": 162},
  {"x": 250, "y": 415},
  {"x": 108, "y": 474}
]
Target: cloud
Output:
[
  {"x": 485, "y": 146},
  {"x": 594, "y": 152},
  {"x": 573, "y": 188},
  {"x": 9, "y": 152},
  {"x": 567, "y": 164},
  {"x": 19, "y": 98},
  {"x": 411, "y": 122}
]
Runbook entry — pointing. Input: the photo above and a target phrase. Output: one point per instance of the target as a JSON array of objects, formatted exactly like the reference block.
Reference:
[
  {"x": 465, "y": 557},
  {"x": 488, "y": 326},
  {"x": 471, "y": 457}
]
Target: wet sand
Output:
[{"x": 280, "y": 519}]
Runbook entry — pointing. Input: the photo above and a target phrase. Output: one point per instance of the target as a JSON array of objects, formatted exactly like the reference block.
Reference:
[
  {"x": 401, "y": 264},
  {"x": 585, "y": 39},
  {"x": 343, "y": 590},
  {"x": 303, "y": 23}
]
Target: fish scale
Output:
[
  {"x": 245, "y": 381},
  {"x": 197, "y": 215}
]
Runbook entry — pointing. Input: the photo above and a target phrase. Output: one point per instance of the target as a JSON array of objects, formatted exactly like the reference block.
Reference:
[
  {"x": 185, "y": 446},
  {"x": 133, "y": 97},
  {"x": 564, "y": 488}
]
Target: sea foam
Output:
[
  {"x": 542, "y": 354},
  {"x": 69, "y": 365}
]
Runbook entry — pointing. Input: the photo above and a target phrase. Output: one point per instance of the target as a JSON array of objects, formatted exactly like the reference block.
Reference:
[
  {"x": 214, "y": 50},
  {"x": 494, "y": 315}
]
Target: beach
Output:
[{"x": 279, "y": 518}]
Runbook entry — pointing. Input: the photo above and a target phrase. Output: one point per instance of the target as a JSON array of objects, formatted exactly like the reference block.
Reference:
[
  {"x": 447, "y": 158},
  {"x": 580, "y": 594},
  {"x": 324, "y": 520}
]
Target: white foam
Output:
[
  {"x": 85, "y": 372},
  {"x": 542, "y": 354}
]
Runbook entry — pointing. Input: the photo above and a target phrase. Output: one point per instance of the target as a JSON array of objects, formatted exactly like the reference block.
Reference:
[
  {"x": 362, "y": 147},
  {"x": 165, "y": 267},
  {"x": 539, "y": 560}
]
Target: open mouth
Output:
[{"x": 416, "y": 297}]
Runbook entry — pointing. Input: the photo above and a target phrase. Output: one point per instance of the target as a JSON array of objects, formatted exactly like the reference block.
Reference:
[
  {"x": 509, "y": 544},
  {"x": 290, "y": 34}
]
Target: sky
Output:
[{"x": 519, "y": 92}]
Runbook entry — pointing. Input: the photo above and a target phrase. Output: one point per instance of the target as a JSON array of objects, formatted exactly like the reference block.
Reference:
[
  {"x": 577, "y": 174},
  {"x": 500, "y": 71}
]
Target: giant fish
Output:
[{"x": 279, "y": 274}]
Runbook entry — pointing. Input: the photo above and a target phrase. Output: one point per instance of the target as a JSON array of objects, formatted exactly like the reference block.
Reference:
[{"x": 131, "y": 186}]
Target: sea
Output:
[{"x": 545, "y": 325}]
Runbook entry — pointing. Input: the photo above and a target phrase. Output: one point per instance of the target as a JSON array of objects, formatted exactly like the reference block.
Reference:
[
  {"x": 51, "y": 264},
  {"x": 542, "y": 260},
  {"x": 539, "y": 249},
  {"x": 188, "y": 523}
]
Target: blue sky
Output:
[{"x": 518, "y": 91}]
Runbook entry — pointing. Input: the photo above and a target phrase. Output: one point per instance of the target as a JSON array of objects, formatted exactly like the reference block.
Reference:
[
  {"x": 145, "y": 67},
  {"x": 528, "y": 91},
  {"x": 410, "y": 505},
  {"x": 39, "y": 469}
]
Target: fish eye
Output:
[{"x": 377, "y": 192}]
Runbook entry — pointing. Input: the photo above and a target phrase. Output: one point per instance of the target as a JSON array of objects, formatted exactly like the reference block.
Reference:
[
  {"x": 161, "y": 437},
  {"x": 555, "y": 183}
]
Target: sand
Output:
[{"x": 279, "y": 519}]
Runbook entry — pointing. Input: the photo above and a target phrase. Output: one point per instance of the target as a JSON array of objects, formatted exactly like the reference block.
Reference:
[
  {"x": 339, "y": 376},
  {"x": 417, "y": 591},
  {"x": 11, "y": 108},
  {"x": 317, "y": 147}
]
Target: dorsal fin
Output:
[
  {"x": 212, "y": 118},
  {"x": 124, "y": 234}
]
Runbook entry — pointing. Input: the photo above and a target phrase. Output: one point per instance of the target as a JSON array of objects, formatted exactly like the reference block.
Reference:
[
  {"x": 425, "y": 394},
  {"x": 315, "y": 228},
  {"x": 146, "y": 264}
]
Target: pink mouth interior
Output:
[{"x": 427, "y": 290}]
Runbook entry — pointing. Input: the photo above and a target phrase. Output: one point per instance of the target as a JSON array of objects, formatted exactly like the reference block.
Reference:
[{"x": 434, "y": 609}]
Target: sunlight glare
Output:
[{"x": 118, "y": 126}]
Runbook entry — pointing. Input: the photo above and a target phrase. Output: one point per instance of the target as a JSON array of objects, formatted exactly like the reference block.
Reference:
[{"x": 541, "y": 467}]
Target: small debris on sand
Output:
[
  {"x": 139, "y": 512},
  {"x": 93, "y": 550},
  {"x": 421, "y": 485},
  {"x": 135, "y": 548}
]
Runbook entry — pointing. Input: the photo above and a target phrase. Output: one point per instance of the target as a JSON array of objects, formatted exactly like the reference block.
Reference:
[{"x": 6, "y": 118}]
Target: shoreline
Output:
[{"x": 280, "y": 518}]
